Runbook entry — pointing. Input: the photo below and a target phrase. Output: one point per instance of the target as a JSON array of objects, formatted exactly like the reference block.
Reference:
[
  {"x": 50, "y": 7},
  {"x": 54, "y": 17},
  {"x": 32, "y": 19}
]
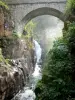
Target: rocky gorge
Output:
[{"x": 16, "y": 65}]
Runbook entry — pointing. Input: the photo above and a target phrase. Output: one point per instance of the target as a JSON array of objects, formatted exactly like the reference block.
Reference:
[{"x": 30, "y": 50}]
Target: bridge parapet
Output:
[{"x": 33, "y": 1}]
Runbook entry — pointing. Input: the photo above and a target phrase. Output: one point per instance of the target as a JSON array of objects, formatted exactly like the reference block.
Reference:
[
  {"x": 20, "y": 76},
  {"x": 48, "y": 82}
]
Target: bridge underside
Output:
[{"x": 43, "y": 11}]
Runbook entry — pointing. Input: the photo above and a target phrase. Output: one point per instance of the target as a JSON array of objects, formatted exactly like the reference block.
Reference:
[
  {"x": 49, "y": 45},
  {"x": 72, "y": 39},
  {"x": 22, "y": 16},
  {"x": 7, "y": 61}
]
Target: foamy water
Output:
[{"x": 28, "y": 93}]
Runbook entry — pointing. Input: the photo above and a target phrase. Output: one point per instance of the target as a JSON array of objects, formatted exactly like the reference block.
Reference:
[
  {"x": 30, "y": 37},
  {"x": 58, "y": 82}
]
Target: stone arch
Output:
[
  {"x": 43, "y": 11},
  {"x": 39, "y": 12}
]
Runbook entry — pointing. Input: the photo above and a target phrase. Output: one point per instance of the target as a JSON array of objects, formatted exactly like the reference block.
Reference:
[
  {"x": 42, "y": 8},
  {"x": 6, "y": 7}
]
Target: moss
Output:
[
  {"x": 3, "y": 4},
  {"x": 15, "y": 35},
  {"x": 4, "y": 63},
  {"x": 1, "y": 56},
  {"x": 28, "y": 39},
  {"x": 2, "y": 59}
]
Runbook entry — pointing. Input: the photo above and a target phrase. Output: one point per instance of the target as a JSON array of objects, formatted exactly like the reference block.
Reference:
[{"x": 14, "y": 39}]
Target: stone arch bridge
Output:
[{"x": 25, "y": 10}]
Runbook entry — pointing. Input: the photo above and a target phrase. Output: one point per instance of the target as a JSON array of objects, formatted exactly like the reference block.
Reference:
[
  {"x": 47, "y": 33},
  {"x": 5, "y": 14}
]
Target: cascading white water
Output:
[
  {"x": 38, "y": 50},
  {"x": 27, "y": 93}
]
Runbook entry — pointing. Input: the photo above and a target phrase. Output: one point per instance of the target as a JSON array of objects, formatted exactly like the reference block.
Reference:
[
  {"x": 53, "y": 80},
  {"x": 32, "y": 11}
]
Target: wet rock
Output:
[
  {"x": 15, "y": 75},
  {"x": 10, "y": 84}
]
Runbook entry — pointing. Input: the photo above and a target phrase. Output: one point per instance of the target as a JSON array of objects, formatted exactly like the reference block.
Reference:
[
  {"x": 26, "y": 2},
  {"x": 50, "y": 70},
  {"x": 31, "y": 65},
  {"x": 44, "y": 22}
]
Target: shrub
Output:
[
  {"x": 58, "y": 81},
  {"x": 70, "y": 7}
]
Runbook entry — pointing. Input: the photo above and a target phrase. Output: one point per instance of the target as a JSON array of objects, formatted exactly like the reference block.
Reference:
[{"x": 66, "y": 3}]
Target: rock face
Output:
[{"x": 16, "y": 67}]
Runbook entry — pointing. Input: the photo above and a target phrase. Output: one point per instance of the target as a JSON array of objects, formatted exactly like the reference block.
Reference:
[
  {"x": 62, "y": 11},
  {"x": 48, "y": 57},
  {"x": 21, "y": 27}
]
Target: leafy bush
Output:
[
  {"x": 29, "y": 27},
  {"x": 70, "y": 38},
  {"x": 58, "y": 81},
  {"x": 70, "y": 7}
]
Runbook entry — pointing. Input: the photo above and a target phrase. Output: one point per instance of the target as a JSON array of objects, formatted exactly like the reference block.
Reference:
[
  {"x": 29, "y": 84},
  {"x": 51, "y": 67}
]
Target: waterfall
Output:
[
  {"x": 38, "y": 50},
  {"x": 28, "y": 92}
]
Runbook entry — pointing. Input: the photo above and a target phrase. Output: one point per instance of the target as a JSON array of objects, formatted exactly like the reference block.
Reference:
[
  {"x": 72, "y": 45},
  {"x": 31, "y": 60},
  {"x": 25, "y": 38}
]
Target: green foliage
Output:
[
  {"x": 71, "y": 30},
  {"x": 1, "y": 56},
  {"x": 27, "y": 38},
  {"x": 70, "y": 36},
  {"x": 2, "y": 59},
  {"x": 7, "y": 61},
  {"x": 15, "y": 35},
  {"x": 70, "y": 6},
  {"x": 4, "y": 5},
  {"x": 58, "y": 81},
  {"x": 29, "y": 27}
]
